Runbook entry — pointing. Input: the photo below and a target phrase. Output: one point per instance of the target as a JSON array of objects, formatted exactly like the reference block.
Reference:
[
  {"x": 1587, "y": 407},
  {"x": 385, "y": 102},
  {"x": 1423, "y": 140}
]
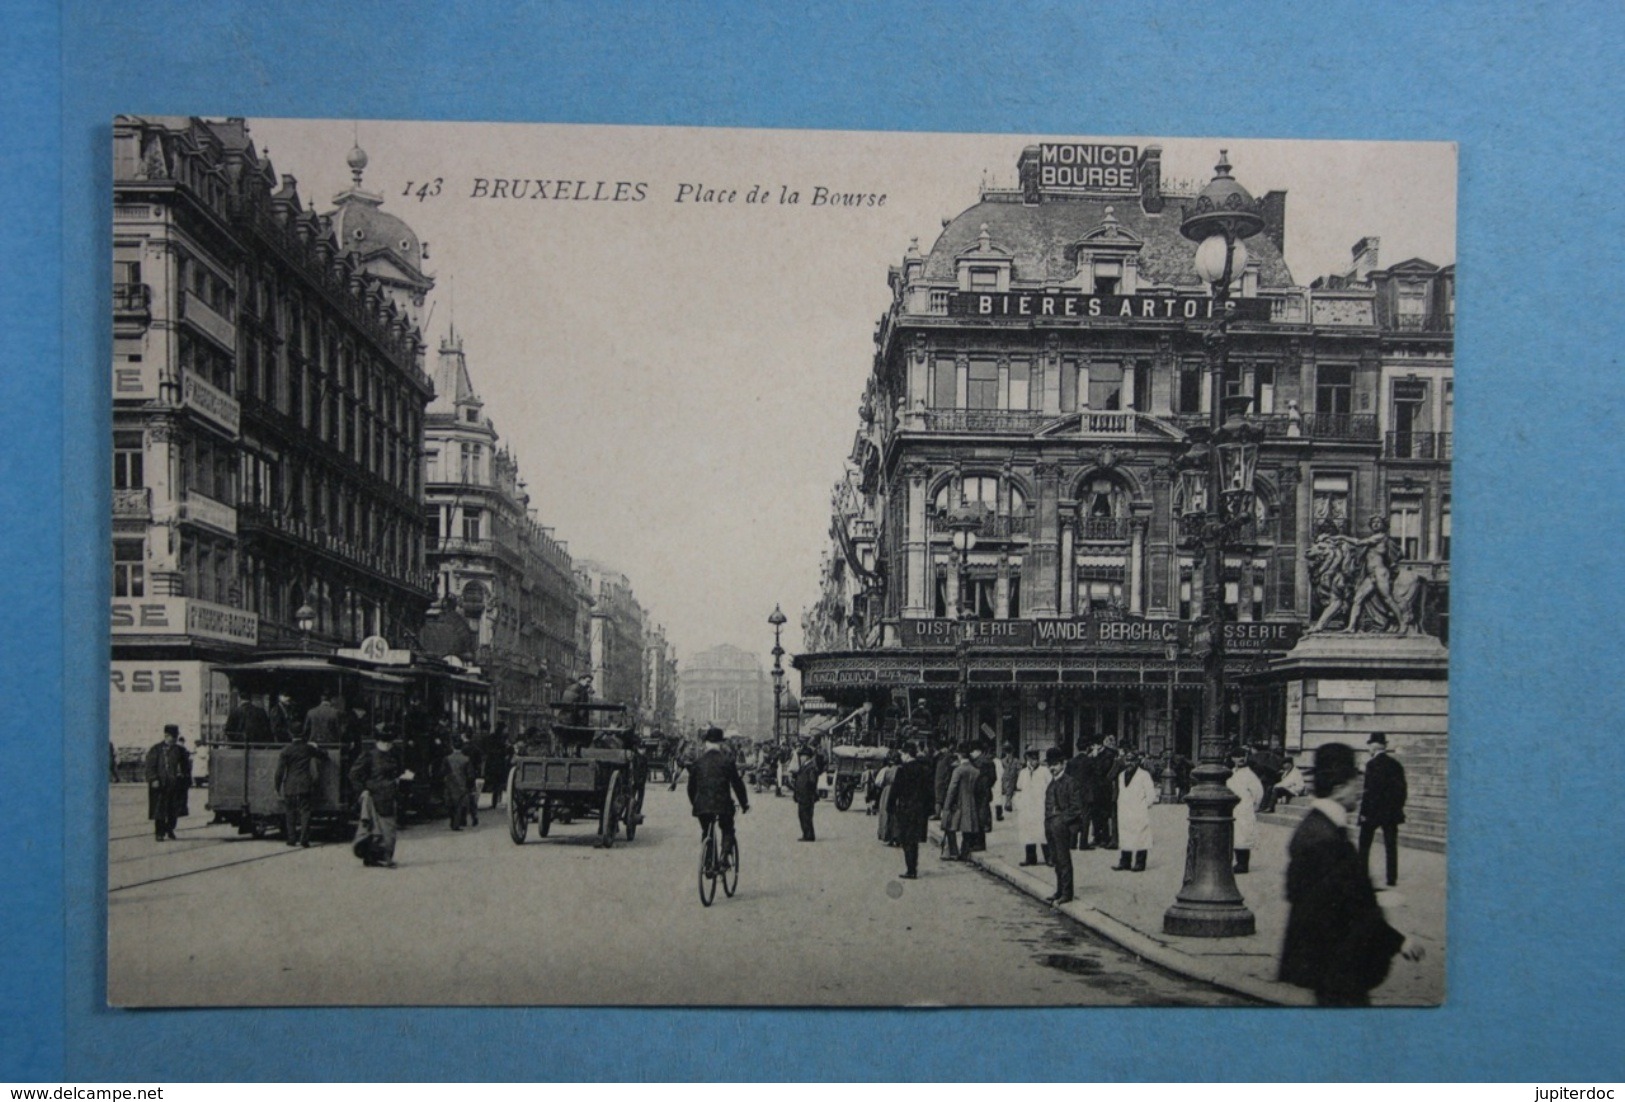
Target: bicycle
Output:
[{"x": 719, "y": 860}]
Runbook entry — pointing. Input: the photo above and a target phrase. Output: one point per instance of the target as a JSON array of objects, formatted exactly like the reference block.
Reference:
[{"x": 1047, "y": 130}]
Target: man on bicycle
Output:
[{"x": 713, "y": 782}]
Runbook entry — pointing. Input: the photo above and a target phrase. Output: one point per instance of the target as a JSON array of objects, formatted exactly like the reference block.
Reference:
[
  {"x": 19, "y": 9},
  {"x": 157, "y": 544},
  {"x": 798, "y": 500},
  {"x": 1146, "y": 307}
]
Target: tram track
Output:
[{"x": 281, "y": 851}]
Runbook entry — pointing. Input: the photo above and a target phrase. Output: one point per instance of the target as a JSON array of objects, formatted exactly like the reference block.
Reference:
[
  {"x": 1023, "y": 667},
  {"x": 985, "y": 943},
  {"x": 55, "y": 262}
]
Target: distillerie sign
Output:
[
  {"x": 1073, "y": 304},
  {"x": 1122, "y": 633},
  {"x": 1087, "y": 167}
]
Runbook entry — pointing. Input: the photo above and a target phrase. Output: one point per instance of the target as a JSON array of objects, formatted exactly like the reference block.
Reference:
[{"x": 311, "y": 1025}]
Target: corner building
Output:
[
  {"x": 1008, "y": 549},
  {"x": 268, "y": 397}
]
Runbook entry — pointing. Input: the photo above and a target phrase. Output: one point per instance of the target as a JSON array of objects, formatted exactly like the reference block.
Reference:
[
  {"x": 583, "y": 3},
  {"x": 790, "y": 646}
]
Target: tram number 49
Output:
[{"x": 147, "y": 681}]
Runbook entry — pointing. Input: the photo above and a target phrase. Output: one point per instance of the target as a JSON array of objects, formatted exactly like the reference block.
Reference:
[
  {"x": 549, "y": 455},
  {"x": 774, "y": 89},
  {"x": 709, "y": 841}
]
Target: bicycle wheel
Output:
[
  {"x": 708, "y": 868},
  {"x": 730, "y": 868}
]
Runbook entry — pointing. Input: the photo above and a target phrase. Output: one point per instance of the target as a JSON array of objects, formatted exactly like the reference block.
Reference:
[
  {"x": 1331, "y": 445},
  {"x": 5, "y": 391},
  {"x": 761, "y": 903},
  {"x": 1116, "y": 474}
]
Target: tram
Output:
[{"x": 422, "y": 700}]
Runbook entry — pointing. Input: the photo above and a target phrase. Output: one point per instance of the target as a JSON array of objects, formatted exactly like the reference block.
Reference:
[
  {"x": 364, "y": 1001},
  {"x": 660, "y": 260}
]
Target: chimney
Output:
[
  {"x": 1149, "y": 171},
  {"x": 1027, "y": 174},
  {"x": 1365, "y": 258}
]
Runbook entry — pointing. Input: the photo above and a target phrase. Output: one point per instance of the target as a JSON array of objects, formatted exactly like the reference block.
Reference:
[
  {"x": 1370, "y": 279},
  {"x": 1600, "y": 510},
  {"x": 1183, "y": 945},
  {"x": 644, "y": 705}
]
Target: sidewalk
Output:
[{"x": 1127, "y": 908}]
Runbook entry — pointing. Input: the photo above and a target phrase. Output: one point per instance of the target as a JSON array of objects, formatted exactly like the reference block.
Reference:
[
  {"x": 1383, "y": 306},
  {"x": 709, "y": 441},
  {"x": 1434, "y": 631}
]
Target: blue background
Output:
[{"x": 1533, "y": 94}]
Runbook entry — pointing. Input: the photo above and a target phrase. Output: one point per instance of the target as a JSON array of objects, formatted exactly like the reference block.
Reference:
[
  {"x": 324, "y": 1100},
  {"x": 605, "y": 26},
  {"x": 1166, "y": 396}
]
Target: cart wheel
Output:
[
  {"x": 518, "y": 817},
  {"x": 634, "y": 813},
  {"x": 730, "y": 868},
  {"x": 545, "y": 823},
  {"x": 843, "y": 799},
  {"x": 257, "y": 828},
  {"x": 608, "y": 817}
]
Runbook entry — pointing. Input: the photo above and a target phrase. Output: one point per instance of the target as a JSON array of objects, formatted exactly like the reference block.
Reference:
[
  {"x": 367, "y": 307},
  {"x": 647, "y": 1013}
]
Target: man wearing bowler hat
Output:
[
  {"x": 804, "y": 787},
  {"x": 1383, "y": 804},
  {"x": 1338, "y": 942},
  {"x": 1063, "y": 818}
]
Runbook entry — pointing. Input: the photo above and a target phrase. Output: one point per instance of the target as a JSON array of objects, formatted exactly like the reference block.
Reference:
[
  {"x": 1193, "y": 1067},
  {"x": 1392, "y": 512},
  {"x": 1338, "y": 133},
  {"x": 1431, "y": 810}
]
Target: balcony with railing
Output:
[
  {"x": 206, "y": 320},
  {"x": 999, "y": 421},
  {"x": 1355, "y": 427},
  {"x": 1103, "y": 528},
  {"x": 989, "y": 525},
  {"x": 1423, "y": 323},
  {"x": 252, "y": 518},
  {"x": 1417, "y": 445},
  {"x": 132, "y": 302}
]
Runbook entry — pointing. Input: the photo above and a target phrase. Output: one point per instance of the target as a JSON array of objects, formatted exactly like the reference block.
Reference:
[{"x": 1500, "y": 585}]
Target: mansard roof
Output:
[{"x": 1043, "y": 239}]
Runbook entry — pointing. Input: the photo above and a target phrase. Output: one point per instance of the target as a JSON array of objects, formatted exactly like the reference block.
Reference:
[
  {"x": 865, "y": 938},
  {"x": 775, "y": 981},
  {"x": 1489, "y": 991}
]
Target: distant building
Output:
[
  {"x": 505, "y": 586},
  {"x": 726, "y": 687}
]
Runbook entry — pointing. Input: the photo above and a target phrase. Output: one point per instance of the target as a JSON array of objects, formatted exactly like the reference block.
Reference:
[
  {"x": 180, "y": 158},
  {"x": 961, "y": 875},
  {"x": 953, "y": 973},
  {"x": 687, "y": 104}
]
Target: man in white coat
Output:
[
  {"x": 1249, "y": 792},
  {"x": 1031, "y": 781},
  {"x": 1135, "y": 795}
]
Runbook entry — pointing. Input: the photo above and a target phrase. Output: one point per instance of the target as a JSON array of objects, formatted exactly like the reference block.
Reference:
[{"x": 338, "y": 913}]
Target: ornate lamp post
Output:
[
  {"x": 305, "y": 618},
  {"x": 1216, "y": 475},
  {"x": 777, "y": 620},
  {"x": 963, "y": 521},
  {"x": 1170, "y": 791}
]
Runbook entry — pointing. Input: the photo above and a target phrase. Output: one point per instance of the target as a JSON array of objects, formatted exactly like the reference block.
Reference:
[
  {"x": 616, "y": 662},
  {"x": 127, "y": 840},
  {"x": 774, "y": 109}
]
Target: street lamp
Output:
[
  {"x": 1170, "y": 790},
  {"x": 777, "y": 620},
  {"x": 963, "y": 521},
  {"x": 305, "y": 617},
  {"x": 1216, "y": 476}
]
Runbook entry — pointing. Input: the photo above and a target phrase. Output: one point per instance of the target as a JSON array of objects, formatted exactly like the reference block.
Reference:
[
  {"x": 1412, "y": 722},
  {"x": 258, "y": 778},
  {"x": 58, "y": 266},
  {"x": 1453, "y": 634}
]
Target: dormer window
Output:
[
  {"x": 1108, "y": 276},
  {"x": 985, "y": 267},
  {"x": 984, "y": 279},
  {"x": 471, "y": 415}
]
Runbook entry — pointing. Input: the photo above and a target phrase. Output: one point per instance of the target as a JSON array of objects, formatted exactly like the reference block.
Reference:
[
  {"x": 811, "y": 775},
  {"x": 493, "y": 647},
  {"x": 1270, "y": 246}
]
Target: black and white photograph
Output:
[{"x": 806, "y": 568}]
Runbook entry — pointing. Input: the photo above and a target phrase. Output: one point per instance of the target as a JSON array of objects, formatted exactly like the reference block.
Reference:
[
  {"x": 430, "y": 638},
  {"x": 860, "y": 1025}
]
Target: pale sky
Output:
[{"x": 680, "y": 381}]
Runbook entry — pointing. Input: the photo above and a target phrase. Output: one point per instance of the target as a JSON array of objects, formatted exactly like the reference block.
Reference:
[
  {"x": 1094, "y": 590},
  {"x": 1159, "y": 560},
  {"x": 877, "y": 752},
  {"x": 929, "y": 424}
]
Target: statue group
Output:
[{"x": 1359, "y": 581}]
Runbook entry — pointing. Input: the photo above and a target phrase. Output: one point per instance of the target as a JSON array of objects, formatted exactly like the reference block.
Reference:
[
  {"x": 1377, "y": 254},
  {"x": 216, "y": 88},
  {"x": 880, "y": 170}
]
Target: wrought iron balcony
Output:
[
  {"x": 1417, "y": 445},
  {"x": 1357, "y": 427},
  {"x": 1423, "y": 323},
  {"x": 989, "y": 525},
  {"x": 1103, "y": 528},
  {"x": 132, "y": 302}
]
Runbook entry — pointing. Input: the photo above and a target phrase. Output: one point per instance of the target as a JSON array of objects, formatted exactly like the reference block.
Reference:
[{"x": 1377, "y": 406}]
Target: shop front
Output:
[{"x": 1023, "y": 684}]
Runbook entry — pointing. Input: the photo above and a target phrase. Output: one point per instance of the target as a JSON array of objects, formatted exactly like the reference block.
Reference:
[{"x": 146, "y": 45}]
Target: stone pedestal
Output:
[{"x": 1340, "y": 688}]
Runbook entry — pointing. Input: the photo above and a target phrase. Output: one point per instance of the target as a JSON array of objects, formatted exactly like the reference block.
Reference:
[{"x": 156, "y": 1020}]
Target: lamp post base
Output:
[{"x": 1210, "y": 904}]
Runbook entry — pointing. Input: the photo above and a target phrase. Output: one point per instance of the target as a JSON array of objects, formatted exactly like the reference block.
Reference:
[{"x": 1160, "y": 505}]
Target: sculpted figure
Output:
[
  {"x": 1380, "y": 554},
  {"x": 1358, "y": 578}
]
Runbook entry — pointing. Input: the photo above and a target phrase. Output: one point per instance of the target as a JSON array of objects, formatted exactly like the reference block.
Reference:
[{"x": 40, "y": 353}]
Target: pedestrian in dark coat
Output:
[
  {"x": 1081, "y": 769},
  {"x": 377, "y": 772},
  {"x": 943, "y": 770},
  {"x": 168, "y": 772},
  {"x": 324, "y": 723},
  {"x": 1383, "y": 805},
  {"x": 248, "y": 722},
  {"x": 1266, "y": 764},
  {"x": 713, "y": 785},
  {"x": 1103, "y": 773},
  {"x": 284, "y": 723},
  {"x": 476, "y": 774},
  {"x": 457, "y": 783},
  {"x": 804, "y": 788},
  {"x": 911, "y": 797},
  {"x": 297, "y": 779},
  {"x": 959, "y": 811},
  {"x": 985, "y": 787},
  {"x": 1007, "y": 780},
  {"x": 1063, "y": 818},
  {"x": 1338, "y": 942}
]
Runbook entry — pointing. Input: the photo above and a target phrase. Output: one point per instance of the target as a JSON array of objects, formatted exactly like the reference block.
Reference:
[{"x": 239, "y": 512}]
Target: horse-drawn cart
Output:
[
  {"x": 596, "y": 774},
  {"x": 854, "y": 766}
]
